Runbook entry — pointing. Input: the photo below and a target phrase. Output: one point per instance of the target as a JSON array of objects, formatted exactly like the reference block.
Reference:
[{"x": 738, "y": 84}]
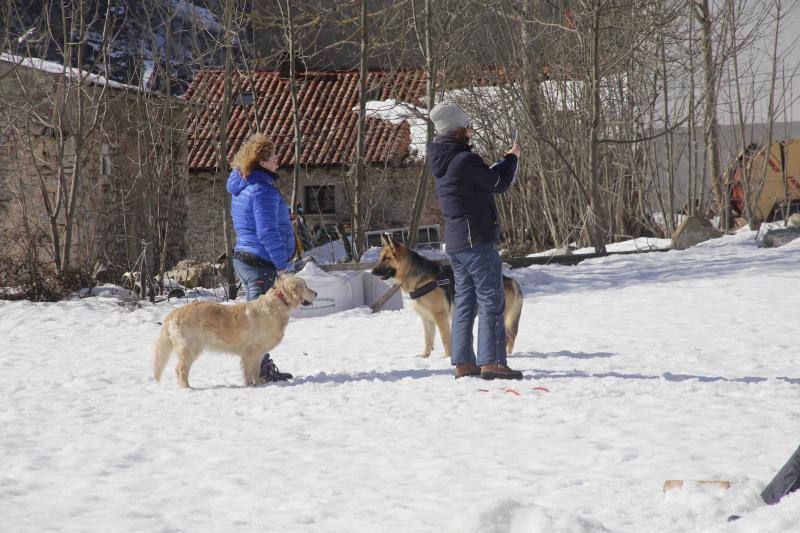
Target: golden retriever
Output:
[{"x": 248, "y": 330}]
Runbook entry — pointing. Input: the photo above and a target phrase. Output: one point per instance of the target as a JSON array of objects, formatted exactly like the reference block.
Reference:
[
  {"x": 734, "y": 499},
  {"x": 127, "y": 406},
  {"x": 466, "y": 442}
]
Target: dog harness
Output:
[{"x": 442, "y": 281}]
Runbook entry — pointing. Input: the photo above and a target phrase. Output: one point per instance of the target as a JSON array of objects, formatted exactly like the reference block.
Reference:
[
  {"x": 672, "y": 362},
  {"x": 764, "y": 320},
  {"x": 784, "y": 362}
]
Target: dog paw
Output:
[{"x": 424, "y": 355}]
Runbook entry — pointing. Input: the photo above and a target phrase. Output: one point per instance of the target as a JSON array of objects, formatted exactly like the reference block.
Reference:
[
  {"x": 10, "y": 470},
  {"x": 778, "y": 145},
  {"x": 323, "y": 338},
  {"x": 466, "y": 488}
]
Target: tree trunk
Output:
[
  {"x": 703, "y": 14},
  {"x": 669, "y": 215},
  {"x": 222, "y": 155},
  {"x": 744, "y": 169},
  {"x": 360, "y": 170},
  {"x": 595, "y": 221},
  {"x": 298, "y": 138},
  {"x": 78, "y": 131},
  {"x": 696, "y": 192},
  {"x": 167, "y": 151},
  {"x": 771, "y": 113}
]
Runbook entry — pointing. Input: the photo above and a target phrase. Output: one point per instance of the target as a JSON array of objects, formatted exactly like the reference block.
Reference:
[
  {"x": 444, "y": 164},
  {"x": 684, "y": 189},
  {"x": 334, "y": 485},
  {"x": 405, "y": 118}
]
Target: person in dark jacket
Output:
[
  {"x": 465, "y": 188},
  {"x": 265, "y": 241}
]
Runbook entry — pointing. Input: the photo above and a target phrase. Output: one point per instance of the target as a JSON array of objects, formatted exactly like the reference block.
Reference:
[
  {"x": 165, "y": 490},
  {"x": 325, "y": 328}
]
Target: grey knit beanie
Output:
[{"x": 447, "y": 117}]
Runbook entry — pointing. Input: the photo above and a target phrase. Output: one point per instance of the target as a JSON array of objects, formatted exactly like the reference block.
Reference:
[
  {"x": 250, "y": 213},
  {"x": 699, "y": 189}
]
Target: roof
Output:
[
  {"x": 44, "y": 65},
  {"x": 326, "y": 100}
]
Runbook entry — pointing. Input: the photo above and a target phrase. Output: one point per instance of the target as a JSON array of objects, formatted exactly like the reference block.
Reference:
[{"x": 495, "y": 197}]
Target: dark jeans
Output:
[
  {"x": 479, "y": 290},
  {"x": 255, "y": 280}
]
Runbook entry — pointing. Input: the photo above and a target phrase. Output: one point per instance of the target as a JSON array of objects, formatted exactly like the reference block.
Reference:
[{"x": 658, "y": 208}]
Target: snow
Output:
[
  {"x": 148, "y": 68},
  {"x": 201, "y": 16},
  {"x": 94, "y": 40},
  {"x": 676, "y": 365},
  {"x": 397, "y": 112},
  {"x": 57, "y": 68},
  {"x": 22, "y": 39},
  {"x": 330, "y": 252},
  {"x": 640, "y": 244}
]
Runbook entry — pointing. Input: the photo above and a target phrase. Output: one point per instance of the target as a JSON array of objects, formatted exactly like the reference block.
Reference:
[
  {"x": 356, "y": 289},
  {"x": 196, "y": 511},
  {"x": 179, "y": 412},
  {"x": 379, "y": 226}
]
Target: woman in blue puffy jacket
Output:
[{"x": 265, "y": 241}]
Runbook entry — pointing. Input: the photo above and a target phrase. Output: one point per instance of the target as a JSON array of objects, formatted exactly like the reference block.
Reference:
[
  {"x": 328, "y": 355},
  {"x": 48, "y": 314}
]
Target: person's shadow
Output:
[{"x": 561, "y": 353}]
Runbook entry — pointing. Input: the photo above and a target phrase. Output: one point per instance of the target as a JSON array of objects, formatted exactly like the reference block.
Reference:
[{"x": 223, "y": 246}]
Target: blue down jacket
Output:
[
  {"x": 465, "y": 186},
  {"x": 261, "y": 218}
]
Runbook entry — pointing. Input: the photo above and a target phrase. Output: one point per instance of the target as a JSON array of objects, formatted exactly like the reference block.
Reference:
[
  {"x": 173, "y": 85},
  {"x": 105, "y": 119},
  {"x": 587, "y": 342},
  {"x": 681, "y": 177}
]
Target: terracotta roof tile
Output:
[{"x": 328, "y": 123}]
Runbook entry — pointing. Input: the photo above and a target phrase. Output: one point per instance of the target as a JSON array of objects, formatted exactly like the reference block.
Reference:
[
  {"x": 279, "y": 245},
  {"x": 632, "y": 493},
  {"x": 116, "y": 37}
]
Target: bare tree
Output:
[{"x": 702, "y": 12}]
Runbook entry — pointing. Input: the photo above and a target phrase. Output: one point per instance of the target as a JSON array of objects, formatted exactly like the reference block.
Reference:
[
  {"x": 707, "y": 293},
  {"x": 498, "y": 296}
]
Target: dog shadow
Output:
[
  {"x": 324, "y": 377},
  {"x": 561, "y": 353},
  {"x": 386, "y": 377}
]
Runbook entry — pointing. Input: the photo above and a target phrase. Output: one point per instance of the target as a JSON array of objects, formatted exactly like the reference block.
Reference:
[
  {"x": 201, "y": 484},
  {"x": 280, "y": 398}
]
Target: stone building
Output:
[
  {"x": 88, "y": 161},
  {"x": 261, "y": 101}
]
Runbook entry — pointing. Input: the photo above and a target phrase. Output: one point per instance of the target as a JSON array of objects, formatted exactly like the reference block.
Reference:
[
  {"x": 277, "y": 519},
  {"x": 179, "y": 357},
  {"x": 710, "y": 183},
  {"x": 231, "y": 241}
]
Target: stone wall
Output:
[
  {"x": 125, "y": 154},
  {"x": 389, "y": 196}
]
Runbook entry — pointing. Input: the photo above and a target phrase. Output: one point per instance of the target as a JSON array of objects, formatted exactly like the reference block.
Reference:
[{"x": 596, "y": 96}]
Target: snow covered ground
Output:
[{"x": 677, "y": 365}]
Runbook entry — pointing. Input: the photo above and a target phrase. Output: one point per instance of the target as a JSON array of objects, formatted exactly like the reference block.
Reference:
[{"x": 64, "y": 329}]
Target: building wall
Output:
[
  {"x": 389, "y": 197},
  {"x": 730, "y": 146},
  {"x": 130, "y": 174}
]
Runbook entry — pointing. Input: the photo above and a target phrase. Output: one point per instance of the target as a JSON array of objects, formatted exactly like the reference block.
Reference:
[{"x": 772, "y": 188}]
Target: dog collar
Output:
[{"x": 281, "y": 297}]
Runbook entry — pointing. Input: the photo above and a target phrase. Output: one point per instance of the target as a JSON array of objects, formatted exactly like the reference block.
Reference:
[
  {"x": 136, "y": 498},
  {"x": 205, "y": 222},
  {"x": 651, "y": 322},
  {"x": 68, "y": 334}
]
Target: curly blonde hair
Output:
[{"x": 257, "y": 148}]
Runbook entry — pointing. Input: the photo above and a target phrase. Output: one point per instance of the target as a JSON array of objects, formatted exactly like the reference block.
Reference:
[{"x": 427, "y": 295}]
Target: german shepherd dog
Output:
[
  {"x": 248, "y": 330},
  {"x": 412, "y": 271}
]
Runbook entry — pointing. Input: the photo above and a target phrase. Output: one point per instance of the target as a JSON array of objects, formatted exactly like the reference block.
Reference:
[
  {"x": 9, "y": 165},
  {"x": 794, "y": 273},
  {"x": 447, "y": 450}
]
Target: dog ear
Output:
[
  {"x": 390, "y": 242},
  {"x": 384, "y": 242},
  {"x": 396, "y": 244},
  {"x": 291, "y": 290}
]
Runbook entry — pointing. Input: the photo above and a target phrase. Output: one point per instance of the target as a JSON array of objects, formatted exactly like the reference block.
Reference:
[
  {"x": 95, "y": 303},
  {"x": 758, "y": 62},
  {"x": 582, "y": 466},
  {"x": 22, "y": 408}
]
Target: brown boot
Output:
[
  {"x": 467, "y": 369},
  {"x": 499, "y": 372}
]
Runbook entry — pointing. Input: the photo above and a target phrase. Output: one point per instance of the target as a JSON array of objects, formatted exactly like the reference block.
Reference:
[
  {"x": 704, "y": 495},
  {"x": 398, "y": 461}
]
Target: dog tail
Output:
[
  {"x": 161, "y": 353},
  {"x": 513, "y": 307}
]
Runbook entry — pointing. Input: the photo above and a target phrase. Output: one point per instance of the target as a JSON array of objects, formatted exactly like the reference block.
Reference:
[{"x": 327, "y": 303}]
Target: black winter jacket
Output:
[{"x": 465, "y": 186}]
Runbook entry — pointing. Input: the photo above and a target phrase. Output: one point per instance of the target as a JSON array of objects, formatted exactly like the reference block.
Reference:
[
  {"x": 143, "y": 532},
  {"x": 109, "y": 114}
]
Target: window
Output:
[
  {"x": 246, "y": 99},
  {"x": 320, "y": 200},
  {"x": 105, "y": 160},
  {"x": 373, "y": 239},
  {"x": 429, "y": 237}
]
